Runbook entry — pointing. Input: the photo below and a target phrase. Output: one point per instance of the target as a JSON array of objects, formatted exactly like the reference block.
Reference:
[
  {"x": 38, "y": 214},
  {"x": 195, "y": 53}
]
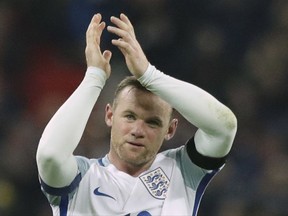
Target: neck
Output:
[{"x": 129, "y": 168}]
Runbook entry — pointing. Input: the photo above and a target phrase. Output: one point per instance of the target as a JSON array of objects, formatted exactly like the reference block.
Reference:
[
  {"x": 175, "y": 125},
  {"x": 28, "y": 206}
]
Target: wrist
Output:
[
  {"x": 97, "y": 74},
  {"x": 147, "y": 73}
]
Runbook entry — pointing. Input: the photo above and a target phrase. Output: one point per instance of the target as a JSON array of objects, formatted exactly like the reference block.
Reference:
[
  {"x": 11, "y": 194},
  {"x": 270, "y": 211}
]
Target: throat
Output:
[
  {"x": 129, "y": 168},
  {"x": 134, "y": 171}
]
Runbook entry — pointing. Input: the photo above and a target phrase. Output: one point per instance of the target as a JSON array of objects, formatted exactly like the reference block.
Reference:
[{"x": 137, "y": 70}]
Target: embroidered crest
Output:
[{"x": 156, "y": 182}]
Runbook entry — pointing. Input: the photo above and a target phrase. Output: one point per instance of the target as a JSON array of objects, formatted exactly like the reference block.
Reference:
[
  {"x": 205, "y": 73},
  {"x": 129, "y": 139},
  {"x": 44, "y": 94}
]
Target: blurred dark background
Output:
[{"x": 235, "y": 49}]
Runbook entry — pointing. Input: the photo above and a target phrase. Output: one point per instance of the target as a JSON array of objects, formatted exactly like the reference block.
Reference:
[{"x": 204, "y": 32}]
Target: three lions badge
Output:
[{"x": 156, "y": 182}]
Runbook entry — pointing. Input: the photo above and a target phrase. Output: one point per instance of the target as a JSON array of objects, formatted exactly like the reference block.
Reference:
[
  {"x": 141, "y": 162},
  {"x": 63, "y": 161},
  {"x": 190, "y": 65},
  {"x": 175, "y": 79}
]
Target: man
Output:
[{"x": 132, "y": 179}]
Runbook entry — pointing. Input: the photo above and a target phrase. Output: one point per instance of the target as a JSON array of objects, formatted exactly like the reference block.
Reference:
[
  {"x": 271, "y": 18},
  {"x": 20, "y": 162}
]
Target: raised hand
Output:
[
  {"x": 136, "y": 60},
  {"x": 94, "y": 56}
]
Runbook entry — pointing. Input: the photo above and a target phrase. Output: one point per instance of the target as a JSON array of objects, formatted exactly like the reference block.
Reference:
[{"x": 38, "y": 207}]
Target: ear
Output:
[
  {"x": 172, "y": 129},
  {"x": 108, "y": 115}
]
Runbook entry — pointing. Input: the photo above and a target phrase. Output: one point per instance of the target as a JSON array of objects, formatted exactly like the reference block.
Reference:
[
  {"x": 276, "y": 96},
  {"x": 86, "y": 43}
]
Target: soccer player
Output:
[{"x": 133, "y": 178}]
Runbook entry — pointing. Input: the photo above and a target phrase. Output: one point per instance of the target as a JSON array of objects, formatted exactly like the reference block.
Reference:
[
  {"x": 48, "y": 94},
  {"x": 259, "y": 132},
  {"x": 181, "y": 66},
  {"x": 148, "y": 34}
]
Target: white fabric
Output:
[
  {"x": 56, "y": 164},
  {"x": 216, "y": 123},
  {"x": 58, "y": 167},
  {"x": 131, "y": 196}
]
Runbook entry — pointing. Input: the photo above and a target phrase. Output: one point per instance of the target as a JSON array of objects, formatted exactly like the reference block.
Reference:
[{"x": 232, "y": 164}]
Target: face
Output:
[{"x": 139, "y": 121}]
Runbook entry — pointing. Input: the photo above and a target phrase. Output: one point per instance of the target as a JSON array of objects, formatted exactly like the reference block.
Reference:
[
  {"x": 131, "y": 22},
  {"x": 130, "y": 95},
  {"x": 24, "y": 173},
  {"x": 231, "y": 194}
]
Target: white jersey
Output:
[
  {"x": 173, "y": 185},
  {"x": 176, "y": 180}
]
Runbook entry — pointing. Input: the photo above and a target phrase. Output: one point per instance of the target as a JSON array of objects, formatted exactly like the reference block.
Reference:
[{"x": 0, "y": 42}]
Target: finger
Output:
[
  {"x": 89, "y": 34},
  {"x": 92, "y": 38},
  {"x": 96, "y": 18},
  {"x": 119, "y": 32},
  {"x": 124, "y": 23},
  {"x": 94, "y": 33},
  {"x": 123, "y": 46},
  {"x": 119, "y": 23},
  {"x": 107, "y": 55},
  {"x": 91, "y": 28},
  {"x": 99, "y": 31},
  {"x": 126, "y": 20}
]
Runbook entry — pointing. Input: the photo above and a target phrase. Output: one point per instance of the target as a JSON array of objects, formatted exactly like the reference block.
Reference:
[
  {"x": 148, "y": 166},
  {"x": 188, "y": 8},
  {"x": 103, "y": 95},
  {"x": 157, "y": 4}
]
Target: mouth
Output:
[{"x": 136, "y": 144}]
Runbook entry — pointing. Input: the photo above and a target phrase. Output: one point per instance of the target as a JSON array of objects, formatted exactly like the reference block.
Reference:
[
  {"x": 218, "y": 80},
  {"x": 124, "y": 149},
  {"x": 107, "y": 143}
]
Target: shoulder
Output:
[
  {"x": 187, "y": 155},
  {"x": 85, "y": 163},
  {"x": 190, "y": 164},
  {"x": 179, "y": 155}
]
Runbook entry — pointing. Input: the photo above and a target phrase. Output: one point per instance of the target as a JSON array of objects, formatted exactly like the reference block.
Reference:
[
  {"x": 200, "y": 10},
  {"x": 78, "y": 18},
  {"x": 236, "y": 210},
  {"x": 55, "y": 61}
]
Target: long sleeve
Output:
[
  {"x": 56, "y": 164},
  {"x": 216, "y": 123}
]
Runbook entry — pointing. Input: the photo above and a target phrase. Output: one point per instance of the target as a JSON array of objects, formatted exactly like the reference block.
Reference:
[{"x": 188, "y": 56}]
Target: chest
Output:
[{"x": 105, "y": 191}]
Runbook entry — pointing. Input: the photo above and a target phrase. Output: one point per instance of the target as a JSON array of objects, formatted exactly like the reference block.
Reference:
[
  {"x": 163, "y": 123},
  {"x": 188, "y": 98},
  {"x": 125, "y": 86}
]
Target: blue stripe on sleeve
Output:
[
  {"x": 64, "y": 205},
  {"x": 201, "y": 189},
  {"x": 100, "y": 161},
  {"x": 64, "y": 190}
]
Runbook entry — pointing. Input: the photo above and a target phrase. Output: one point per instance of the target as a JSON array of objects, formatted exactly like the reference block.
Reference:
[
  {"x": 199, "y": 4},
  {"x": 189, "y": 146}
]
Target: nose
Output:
[{"x": 137, "y": 130}]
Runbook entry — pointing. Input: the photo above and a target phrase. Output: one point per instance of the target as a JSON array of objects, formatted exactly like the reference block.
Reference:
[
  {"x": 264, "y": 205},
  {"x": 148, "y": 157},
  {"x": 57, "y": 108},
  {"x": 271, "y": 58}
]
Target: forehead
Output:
[{"x": 139, "y": 99}]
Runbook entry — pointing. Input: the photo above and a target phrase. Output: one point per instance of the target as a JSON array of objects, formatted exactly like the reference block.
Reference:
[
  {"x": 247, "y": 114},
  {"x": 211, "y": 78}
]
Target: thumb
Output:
[{"x": 107, "y": 55}]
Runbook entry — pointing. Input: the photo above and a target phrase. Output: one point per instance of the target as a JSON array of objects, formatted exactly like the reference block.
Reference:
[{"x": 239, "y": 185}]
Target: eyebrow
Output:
[{"x": 129, "y": 112}]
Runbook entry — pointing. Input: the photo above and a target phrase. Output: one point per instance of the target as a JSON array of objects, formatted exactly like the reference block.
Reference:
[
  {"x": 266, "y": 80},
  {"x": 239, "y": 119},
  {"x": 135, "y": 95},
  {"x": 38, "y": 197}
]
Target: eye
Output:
[
  {"x": 130, "y": 117},
  {"x": 154, "y": 123}
]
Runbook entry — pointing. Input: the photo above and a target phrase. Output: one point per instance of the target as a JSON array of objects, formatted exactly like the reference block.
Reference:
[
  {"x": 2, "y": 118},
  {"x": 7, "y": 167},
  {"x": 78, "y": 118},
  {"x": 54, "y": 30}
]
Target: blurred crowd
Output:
[{"x": 235, "y": 49}]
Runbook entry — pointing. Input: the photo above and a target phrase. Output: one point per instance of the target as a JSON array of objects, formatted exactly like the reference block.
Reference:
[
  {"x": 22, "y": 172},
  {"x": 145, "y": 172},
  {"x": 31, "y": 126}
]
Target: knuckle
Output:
[{"x": 126, "y": 34}]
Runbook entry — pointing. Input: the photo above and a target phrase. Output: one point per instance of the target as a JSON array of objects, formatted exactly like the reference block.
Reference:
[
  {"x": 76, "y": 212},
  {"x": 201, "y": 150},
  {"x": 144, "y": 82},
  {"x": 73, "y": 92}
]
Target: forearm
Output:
[
  {"x": 63, "y": 133},
  {"x": 215, "y": 121}
]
